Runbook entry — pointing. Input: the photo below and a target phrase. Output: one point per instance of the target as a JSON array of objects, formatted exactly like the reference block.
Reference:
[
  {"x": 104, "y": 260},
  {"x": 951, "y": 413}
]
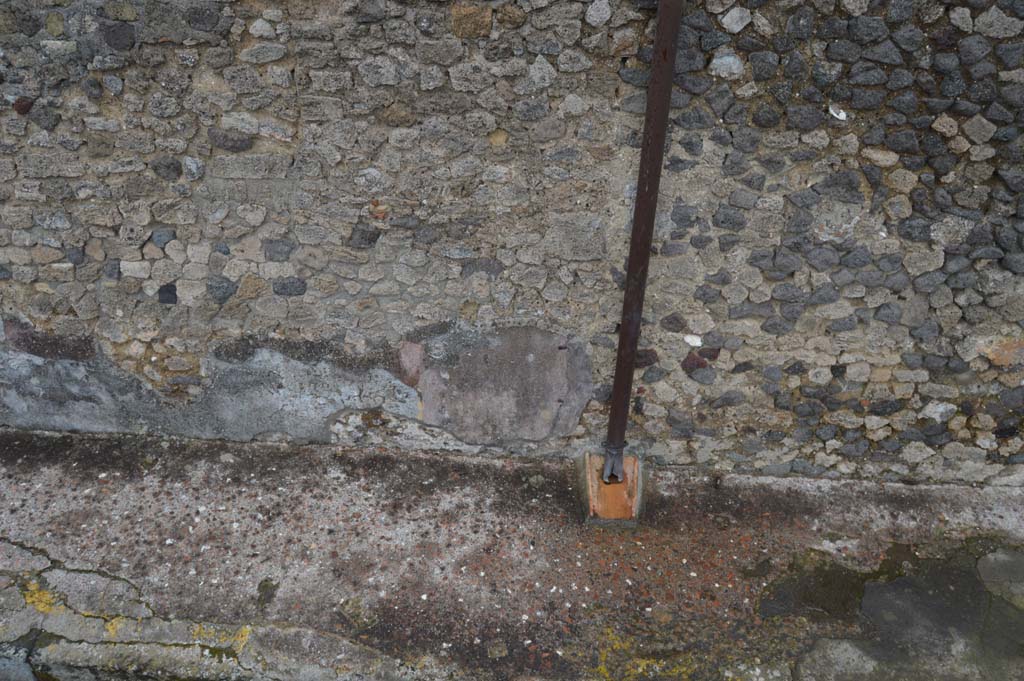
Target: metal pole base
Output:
[{"x": 613, "y": 464}]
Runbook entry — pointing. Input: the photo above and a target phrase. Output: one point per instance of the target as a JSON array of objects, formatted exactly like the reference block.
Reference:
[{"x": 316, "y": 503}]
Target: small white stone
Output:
[
  {"x": 979, "y": 129},
  {"x": 175, "y": 250},
  {"x": 692, "y": 340},
  {"x": 736, "y": 19},
  {"x": 136, "y": 269},
  {"x": 1014, "y": 76},
  {"x": 763, "y": 25},
  {"x": 261, "y": 28},
  {"x": 996, "y": 24},
  {"x": 252, "y": 214},
  {"x": 573, "y": 105},
  {"x": 726, "y": 64},
  {"x": 263, "y": 53},
  {"x": 598, "y": 13},
  {"x": 916, "y": 452},
  {"x": 945, "y": 125},
  {"x": 837, "y": 112},
  {"x": 855, "y": 7},
  {"x": 939, "y": 411}
]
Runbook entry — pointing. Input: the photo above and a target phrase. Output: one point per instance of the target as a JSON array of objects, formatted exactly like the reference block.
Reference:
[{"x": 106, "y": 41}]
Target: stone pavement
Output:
[{"x": 136, "y": 557}]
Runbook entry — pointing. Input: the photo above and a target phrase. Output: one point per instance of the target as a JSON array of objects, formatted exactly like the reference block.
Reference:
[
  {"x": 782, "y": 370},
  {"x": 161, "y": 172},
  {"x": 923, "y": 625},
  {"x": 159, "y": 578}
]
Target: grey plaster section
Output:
[
  {"x": 265, "y": 397},
  {"x": 516, "y": 384},
  {"x": 1002, "y": 571},
  {"x": 939, "y": 623}
]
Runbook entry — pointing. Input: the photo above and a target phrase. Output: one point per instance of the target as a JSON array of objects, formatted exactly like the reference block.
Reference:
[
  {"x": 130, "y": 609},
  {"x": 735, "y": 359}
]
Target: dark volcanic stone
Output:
[
  {"x": 709, "y": 41},
  {"x": 363, "y": 236},
  {"x": 928, "y": 282},
  {"x": 909, "y": 38},
  {"x": 902, "y": 142},
  {"x": 229, "y": 140},
  {"x": 730, "y": 218},
  {"x": 168, "y": 294},
  {"x": 674, "y": 323},
  {"x": 777, "y": 326},
  {"x": 728, "y": 399},
  {"x": 278, "y": 250},
  {"x": 889, "y": 313},
  {"x": 866, "y": 73},
  {"x": 885, "y": 407},
  {"x": 844, "y": 324},
  {"x": 766, "y": 117},
  {"x": 221, "y": 288},
  {"x": 867, "y": 29},
  {"x": 162, "y": 236},
  {"x": 843, "y": 185},
  {"x": 824, "y": 294},
  {"x": 707, "y": 294},
  {"x": 705, "y": 376},
  {"x": 93, "y": 88},
  {"x": 203, "y": 17},
  {"x": 905, "y": 103},
  {"x": 763, "y": 65},
  {"x": 118, "y": 35},
  {"x": 843, "y": 51},
  {"x": 899, "y": 11},
  {"x": 866, "y": 99},
  {"x": 46, "y": 117},
  {"x": 899, "y": 79},
  {"x": 789, "y": 293},
  {"x": 928, "y": 331},
  {"x": 857, "y": 258},
  {"x": 794, "y": 66},
  {"x": 1013, "y": 262},
  {"x": 166, "y": 167},
  {"x": 689, "y": 59},
  {"x": 823, "y": 258},
  {"x": 289, "y": 286},
  {"x": 804, "y": 117},
  {"x": 973, "y": 49},
  {"x": 74, "y": 254},
  {"x": 884, "y": 53}
]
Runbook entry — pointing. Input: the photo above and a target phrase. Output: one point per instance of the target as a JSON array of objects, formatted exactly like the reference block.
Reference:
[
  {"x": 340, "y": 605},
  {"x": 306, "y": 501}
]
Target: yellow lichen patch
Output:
[
  {"x": 39, "y": 598},
  {"x": 241, "y": 638},
  {"x": 237, "y": 640},
  {"x": 498, "y": 138},
  {"x": 617, "y": 659},
  {"x": 113, "y": 626}
]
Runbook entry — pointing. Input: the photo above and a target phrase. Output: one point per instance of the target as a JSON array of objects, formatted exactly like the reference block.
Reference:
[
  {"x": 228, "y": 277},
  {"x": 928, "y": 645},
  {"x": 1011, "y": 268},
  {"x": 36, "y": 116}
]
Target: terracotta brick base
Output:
[{"x": 616, "y": 501}]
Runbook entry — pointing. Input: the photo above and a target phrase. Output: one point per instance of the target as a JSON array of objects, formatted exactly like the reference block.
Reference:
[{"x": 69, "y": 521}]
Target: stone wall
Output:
[{"x": 372, "y": 221}]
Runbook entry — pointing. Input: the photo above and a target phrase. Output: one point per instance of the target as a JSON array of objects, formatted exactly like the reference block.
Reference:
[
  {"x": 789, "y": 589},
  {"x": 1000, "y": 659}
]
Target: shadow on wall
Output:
[{"x": 454, "y": 388}]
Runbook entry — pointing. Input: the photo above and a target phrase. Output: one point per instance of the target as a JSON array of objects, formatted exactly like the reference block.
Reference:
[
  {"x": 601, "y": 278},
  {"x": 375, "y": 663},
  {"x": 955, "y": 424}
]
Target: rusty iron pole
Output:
[{"x": 652, "y": 155}]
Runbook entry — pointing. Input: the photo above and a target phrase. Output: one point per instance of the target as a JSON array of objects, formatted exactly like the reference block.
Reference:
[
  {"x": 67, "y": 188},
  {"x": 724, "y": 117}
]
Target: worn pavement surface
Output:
[{"x": 136, "y": 557}]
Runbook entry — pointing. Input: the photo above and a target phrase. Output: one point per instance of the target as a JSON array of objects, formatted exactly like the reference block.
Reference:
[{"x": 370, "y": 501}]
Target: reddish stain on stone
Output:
[
  {"x": 22, "y": 105},
  {"x": 693, "y": 362},
  {"x": 1004, "y": 352},
  {"x": 410, "y": 357},
  {"x": 710, "y": 354},
  {"x": 646, "y": 357}
]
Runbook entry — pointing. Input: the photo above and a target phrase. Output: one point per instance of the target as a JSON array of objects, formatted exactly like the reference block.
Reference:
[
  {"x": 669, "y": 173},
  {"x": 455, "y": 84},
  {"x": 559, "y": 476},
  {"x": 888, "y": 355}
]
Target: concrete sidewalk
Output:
[{"x": 136, "y": 557}]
